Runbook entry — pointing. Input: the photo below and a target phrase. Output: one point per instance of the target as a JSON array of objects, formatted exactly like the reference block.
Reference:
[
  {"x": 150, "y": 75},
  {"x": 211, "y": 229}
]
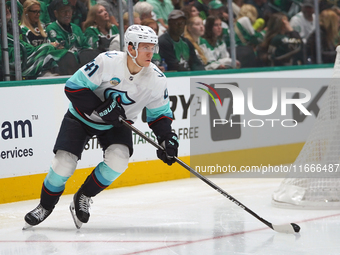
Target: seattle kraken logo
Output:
[
  {"x": 124, "y": 98},
  {"x": 166, "y": 93}
]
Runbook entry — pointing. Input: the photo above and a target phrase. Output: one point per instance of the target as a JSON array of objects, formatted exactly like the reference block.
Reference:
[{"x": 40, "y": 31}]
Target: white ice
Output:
[{"x": 175, "y": 217}]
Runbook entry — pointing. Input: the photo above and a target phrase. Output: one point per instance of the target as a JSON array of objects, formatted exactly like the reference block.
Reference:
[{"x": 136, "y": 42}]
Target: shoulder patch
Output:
[{"x": 114, "y": 81}]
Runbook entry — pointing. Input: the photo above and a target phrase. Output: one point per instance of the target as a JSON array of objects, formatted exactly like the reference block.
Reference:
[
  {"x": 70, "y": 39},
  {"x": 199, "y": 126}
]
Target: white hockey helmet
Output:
[{"x": 136, "y": 34}]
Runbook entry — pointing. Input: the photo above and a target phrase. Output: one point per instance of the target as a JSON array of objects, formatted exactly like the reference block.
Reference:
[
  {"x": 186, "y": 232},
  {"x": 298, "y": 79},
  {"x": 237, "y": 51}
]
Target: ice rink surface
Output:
[{"x": 175, "y": 217}]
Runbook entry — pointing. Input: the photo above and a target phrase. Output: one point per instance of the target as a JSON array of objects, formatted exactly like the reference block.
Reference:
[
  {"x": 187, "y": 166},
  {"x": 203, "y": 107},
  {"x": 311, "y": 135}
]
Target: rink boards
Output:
[{"x": 32, "y": 112}]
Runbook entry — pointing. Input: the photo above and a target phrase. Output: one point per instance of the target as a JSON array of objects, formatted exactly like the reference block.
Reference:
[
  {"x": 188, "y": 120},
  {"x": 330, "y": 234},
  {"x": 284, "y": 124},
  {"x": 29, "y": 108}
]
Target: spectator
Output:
[
  {"x": 245, "y": 34},
  {"x": 304, "y": 21},
  {"x": 187, "y": 2},
  {"x": 144, "y": 9},
  {"x": 177, "y": 51},
  {"x": 202, "y": 7},
  {"x": 214, "y": 48},
  {"x": 19, "y": 6},
  {"x": 281, "y": 45},
  {"x": 38, "y": 60},
  {"x": 98, "y": 29},
  {"x": 336, "y": 9},
  {"x": 262, "y": 8},
  {"x": 236, "y": 5},
  {"x": 31, "y": 26},
  {"x": 79, "y": 11},
  {"x": 162, "y": 9},
  {"x": 112, "y": 8},
  {"x": 327, "y": 4},
  {"x": 190, "y": 11},
  {"x": 44, "y": 16},
  {"x": 178, "y": 4},
  {"x": 156, "y": 58},
  {"x": 329, "y": 27},
  {"x": 88, "y": 3},
  {"x": 150, "y": 23},
  {"x": 194, "y": 31},
  {"x": 115, "y": 43},
  {"x": 248, "y": 34},
  {"x": 281, "y": 6},
  {"x": 69, "y": 35},
  {"x": 47, "y": 2},
  {"x": 216, "y": 8}
]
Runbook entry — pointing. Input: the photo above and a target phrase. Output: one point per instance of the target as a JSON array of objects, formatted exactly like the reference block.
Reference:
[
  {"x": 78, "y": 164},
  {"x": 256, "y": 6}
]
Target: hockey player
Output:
[{"x": 113, "y": 84}]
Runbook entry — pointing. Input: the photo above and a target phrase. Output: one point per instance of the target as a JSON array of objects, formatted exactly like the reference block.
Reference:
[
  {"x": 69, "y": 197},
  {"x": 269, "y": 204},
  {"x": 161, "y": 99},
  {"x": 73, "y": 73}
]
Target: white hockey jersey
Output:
[{"x": 107, "y": 74}]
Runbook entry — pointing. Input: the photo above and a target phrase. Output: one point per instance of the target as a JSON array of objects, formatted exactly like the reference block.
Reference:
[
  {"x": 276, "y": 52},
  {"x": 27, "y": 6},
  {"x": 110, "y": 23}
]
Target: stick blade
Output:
[{"x": 291, "y": 228}]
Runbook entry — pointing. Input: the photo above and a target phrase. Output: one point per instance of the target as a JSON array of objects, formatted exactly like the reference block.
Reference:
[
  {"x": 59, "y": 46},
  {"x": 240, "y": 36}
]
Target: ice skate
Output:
[
  {"x": 79, "y": 208},
  {"x": 36, "y": 216}
]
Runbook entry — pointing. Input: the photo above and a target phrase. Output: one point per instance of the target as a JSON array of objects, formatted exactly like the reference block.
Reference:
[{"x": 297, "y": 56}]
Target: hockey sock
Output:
[
  {"x": 49, "y": 199},
  {"x": 53, "y": 187},
  {"x": 100, "y": 178}
]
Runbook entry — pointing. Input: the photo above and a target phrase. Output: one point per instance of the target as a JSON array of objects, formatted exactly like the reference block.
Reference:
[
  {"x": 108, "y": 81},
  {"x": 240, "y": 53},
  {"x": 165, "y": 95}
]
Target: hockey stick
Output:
[{"x": 285, "y": 228}]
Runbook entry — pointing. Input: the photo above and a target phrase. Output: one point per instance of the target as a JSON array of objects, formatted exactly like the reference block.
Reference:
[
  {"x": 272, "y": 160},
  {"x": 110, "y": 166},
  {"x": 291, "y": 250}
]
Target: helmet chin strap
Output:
[{"x": 134, "y": 58}]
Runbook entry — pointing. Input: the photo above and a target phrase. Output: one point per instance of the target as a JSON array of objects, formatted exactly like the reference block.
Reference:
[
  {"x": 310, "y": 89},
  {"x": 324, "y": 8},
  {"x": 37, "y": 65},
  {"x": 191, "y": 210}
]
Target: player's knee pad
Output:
[
  {"x": 63, "y": 166},
  {"x": 64, "y": 163},
  {"x": 117, "y": 157}
]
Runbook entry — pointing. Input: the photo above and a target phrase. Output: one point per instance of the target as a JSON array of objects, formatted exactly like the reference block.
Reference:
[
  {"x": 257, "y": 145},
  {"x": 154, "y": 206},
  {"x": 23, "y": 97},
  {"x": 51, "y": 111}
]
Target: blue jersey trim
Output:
[
  {"x": 105, "y": 174},
  {"x": 79, "y": 80},
  {"x": 55, "y": 182},
  {"x": 154, "y": 114},
  {"x": 72, "y": 85}
]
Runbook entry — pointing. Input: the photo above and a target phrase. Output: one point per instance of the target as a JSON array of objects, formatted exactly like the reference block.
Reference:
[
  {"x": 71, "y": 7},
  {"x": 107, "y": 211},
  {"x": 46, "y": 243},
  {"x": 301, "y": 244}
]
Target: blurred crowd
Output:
[{"x": 59, "y": 36}]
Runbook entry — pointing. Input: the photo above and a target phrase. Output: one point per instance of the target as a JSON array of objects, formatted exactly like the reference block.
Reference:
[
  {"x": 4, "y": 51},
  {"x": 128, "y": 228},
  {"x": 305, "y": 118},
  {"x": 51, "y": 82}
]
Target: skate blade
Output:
[
  {"x": 27, "y": 226},
  {"x": 77, "y": 222}
]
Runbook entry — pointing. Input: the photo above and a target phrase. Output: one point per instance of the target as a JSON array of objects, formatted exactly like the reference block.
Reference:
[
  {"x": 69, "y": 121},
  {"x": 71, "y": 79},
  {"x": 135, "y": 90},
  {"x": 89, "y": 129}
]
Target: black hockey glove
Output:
[
  {"x": 110, "y": 110},
  {"x": 170, "y": 145}
]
